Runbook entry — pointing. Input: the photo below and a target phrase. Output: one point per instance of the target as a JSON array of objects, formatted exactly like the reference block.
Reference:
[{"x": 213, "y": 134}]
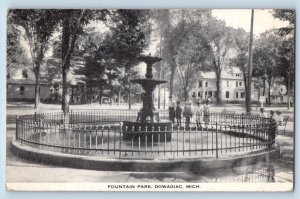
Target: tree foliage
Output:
[
  {"x": 286, "y": 15},
  {"x": 38, "y": 25}
]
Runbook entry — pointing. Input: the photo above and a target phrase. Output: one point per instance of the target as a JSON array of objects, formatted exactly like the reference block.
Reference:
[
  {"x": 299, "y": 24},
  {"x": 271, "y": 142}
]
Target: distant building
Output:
[
  {"x": 232, "y": 86},
  {"x": 279, "y": 94},
  {"x": 21, "y": 86}
]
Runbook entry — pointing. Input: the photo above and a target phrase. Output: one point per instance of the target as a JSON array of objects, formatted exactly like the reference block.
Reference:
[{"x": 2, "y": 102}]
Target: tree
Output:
[
  {"x": 175, "y": 33},
  {"x": 119, "y": 48},
  {"x": 38, "y": 26},
  {"x": 73, "y": 22},
  {"x": 265, "y": 58},
  {"x": 286, "y": 15},
  {"x": 191, "y": 57},
  {"x": 162, "y": 24},
  {"x": 241, "y": 46},
  {"x": 289, "y": 58},
  {"x": 219, "y": 41},
  {"x": 17, "y": 55},
  {"x": 286, "y": 58}
]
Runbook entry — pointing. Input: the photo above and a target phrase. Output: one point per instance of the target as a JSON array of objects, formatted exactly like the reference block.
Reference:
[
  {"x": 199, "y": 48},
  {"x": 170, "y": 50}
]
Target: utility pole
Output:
[{"x": 249, "y": 74}]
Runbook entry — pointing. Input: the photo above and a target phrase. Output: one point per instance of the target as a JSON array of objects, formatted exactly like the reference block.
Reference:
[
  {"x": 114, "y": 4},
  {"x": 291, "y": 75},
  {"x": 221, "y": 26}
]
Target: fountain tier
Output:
[{"x": 148, "y": 116}]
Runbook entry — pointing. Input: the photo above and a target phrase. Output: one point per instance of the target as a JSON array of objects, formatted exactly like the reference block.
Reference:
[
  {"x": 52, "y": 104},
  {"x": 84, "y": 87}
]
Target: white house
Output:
[
  {"x": 232, "y": 86},
  {"x": 278, "y": 94},
  {"x": 21, "y": 86}
]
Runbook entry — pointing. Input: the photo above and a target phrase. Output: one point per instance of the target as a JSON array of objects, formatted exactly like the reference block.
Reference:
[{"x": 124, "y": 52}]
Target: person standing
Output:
[
  {"x": 206, "y": 113},
  {"x": 178, "y": 112},
  {"x": 188, "y": 113},
  {"x": 198, "y": 114},
  {"x": 171, "y": 109},
  {"x": 262, "y": 113}
]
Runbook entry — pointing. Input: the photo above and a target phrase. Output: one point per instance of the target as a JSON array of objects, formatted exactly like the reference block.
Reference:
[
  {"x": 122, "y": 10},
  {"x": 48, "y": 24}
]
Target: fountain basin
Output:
[{"x": 152, "y": 131}]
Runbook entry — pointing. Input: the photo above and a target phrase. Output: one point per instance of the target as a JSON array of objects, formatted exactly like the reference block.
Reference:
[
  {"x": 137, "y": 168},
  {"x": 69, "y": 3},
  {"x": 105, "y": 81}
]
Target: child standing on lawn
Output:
[
  {"x": 178, "y": 112},
  {"x": 206, "y": 113},
  {"x": 188, "y": 113}
]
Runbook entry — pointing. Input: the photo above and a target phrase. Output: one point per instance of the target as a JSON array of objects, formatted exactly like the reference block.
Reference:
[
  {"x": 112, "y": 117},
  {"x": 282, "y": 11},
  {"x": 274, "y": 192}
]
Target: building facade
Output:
[
  {"x": 21, "y": 86},
  {"x": 232, "y": 87}
]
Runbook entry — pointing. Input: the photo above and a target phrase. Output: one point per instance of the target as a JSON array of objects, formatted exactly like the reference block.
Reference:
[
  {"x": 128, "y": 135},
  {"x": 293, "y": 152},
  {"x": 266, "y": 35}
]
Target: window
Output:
[
  {"x": 199, "y": 94},
  {"x": 25, "y": 74},
  {"x": 8, "y": 76},
  {"x": 200, "y": 84},
  {"x": 237, "y": 95},
  {"x": 227, "y": 83},
  {"x": 22, "y": 90},
  {"x": 210, "y": 93},
  {"x": 206, "y": 84},
  {"x": 281, "y": 98},
  {"x": 236, "y": 84},
  {"x": 243, "y": 95},
  {"x": 227, "y": 94},
  {"x": 205, "y": 94},
  {"x": 240, "y": 83}
]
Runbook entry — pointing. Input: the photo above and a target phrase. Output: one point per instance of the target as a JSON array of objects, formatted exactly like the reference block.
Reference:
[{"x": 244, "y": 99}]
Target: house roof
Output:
[{"x": 229, "y": 73}]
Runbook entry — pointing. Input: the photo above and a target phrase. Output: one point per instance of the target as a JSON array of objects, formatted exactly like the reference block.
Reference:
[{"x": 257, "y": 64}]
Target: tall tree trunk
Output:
[
  {"x": 159, "y": 87},
  {"x": 69, "y": 34},
  {"x": 249, "y": 74},
  {"x": 173, "y": 68},
  {"x": 37, "y": 67},
  {"x": 37, "y": 89},
  {"x": 269, "y": 93},
  {"x": 186, "y": 93},
  {"x": 289, "y": 88},
  {"x": 160, "y": 69},
  {"x": 91, "y": 94},
  {"x": 72, "y": 94},
  {"x": 218, "y": 81},
  {"x": 164, "y": 87},
  {"x": 111, "y": 96},
  {"x": 219, "y": 92},
  {"x": 129, "y": 94},
  {"x": 82, "y": 94},
  {"x": 119, "y": 97},
  {"x": 100, "y": 94},
  {"x": 264, "y": 87}
]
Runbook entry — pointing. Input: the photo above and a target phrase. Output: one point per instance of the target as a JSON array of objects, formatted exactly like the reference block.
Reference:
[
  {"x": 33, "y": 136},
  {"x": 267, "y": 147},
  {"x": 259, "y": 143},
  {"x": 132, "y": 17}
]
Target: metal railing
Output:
[{"x": 99, "y": 133}]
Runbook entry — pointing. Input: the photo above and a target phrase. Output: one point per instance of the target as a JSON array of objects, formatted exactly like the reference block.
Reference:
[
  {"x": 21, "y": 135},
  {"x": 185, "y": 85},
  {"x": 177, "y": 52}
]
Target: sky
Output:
[{"x": 241, "y": 18}]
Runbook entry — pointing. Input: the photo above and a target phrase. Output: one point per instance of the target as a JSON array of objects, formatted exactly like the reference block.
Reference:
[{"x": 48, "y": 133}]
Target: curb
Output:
[{"x": 103, "y": 164}]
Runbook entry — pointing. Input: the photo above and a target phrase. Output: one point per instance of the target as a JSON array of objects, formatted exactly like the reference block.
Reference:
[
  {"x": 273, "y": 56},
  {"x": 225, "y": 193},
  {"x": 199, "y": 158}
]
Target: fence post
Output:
[{"x": 217, "y": 152}]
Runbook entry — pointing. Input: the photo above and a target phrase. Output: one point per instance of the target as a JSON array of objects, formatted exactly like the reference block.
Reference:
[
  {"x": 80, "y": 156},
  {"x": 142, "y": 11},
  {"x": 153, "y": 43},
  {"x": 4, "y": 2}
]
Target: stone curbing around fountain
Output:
[{"x": 168, "y": 165}]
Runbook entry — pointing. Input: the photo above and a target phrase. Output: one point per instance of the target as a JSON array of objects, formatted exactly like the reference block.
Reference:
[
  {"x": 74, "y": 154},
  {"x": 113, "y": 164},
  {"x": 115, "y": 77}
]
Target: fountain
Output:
[{"x": 148, "y": 124}]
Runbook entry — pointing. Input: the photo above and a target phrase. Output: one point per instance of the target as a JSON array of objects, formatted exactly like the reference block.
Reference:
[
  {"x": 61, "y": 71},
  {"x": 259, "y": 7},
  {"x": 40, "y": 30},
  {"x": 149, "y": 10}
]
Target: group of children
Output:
[
  {"x": 188, "y": 111},
  {"x": 276, "y": 116}
]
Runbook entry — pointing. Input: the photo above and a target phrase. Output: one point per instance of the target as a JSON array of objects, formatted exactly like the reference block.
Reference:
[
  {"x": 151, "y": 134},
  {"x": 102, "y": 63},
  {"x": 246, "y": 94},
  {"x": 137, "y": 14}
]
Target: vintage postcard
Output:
[{"x": 150, "y": 100}]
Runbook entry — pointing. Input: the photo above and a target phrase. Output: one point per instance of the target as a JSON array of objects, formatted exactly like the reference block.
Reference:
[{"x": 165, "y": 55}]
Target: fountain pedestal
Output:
[
  {"x": 148, "y": 117},
  {"x": 150, "y": 132}
]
